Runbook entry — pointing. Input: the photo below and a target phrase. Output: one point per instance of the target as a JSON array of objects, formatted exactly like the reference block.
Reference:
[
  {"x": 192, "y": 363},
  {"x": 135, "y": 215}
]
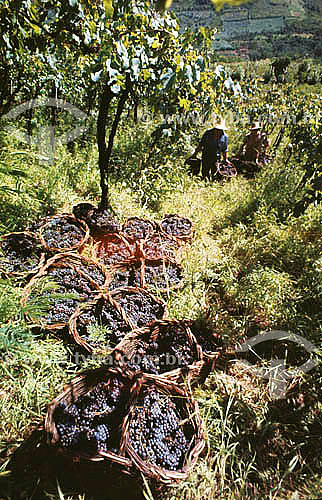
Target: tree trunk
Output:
[
  {"x": 104, "y": 106},
  {"x": 105, "y": 152}
]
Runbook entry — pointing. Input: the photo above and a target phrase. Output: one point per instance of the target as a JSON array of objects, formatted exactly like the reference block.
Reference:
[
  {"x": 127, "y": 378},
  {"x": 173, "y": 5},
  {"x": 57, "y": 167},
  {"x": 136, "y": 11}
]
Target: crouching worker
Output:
[
  {"x": 213, "y": 146},
  {"x": 253, "y": 152}
]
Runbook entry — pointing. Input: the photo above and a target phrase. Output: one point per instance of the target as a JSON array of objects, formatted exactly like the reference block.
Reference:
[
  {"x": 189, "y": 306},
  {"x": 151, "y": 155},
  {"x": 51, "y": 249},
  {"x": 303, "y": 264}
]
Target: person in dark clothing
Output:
[{"x": 213, "y": 145}]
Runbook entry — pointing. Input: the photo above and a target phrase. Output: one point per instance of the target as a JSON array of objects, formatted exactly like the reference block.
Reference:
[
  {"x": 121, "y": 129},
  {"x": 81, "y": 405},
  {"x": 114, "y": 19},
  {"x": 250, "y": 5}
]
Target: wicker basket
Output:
[
  {"x": 118, "y": 295},
  {"x": 152, "y": 268},
  {"x": 6, "y": 263},
  {"x": 127, "y": 274},
  {"x": 187, "y": 407},
  {"x": 140, "y": 342},
  {"x": 78, "y": 387},
  {"x": 83, "y": 211},
  {"x": 138, "y": 229},
  {"x": 102, "y": 222},
  {"x": 71, "y": 261},
  {"x": 209, "y": 341},
  {"x": 148, "y": 274},
  {"x": 160, "y": 246},
  {"x": 66, "y": 219},
  {"x": 96, "y": 306},
  {"x": 186, "y": 235},
  {"x": 114, "y": 249}
]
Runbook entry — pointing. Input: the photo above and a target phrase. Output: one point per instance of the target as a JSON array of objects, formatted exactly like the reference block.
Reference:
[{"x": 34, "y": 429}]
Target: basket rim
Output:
[
  {"x": 197, "y": 443},
  {"x": 43, "y": 272},
  {"x": 33, "y": 271},
  {"x": 187, "y": 237},
  {"x": 136, "y": 335},
  {"x": 71, "y": 387}
]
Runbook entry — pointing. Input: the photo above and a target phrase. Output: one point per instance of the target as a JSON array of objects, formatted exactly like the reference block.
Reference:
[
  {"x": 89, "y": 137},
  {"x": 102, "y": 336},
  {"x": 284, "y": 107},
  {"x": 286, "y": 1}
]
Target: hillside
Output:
[{"x": 286, "y": 21}]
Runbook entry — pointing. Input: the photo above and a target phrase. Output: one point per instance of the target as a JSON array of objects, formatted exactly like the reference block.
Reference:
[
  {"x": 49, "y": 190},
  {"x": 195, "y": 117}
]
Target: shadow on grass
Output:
[{"x": 38, "y": 471}]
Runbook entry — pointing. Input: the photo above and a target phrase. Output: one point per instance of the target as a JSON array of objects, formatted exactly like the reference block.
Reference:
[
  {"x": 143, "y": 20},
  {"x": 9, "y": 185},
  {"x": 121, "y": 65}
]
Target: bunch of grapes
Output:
[
  {"x": 127, "y": 275},
  {"x": 155, "y": 432},
  {"x": 162, "y": 275},
  {"x": 158, "y": 246},
  {"x": 83, "y": 211},
  {"x": 102, "y": 222},
  {"x": 68, "y": 281},
  {"x": 21, "y": 252},
  {"x": 141, "y": 361},
  {"x": 118, "y": 328},
  {"x": 166, "y": 352},
  {"x": 62, "y": 232},
  {"x": 141, "y": 308},
  {"x": 92, "y": 423},
  {"x": 92, "y": 271},
  {"x": 175, "y": 225},
  {"x": 138, "y": 229},
  {"x": 71, "y": 281},
  {"x": 172, "y": 344},
  {"x": 113, "y": 250}
]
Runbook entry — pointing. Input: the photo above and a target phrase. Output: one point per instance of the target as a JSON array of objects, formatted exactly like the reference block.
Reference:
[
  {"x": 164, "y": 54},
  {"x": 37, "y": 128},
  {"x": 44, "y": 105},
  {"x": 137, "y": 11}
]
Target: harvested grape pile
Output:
[
  {"x": 21, "y": 252},
  {"x": 97, "y": 220},
  {"x": 176, "y": 226},
  {"x": 138, "y": 228},
  {"x": 113, "y": 250},
  {"x": 164, "y": 347},
  {"x": 62, "y": 233},
  {"x": 104, "y": 317},
  {"x": 140, "y": 307},
  {"x": 67, "y": 281},
  {"x": 92, "y": 423},
  {"x": 158, "y": 246},
  {"x": 127, "y": 275},
  {"x": 162, "y": 275},
  {"x": 156, "y": 433}
]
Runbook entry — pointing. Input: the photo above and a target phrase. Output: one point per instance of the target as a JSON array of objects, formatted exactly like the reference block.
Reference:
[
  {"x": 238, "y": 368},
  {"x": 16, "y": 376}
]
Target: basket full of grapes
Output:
[
  {"x": 99, "y": 325},
  {"x": 165, "y": 348},
  {"x": 21, "y": 254},
  {"x": 162, "y": 432},
  {"x": 113, "y": 249},
  {"x": 99, "y": 221},
  {"x": 160, "y": 246},
  {"x": 162, "y": 275},
  {"x": 63, "y": 283},
  {"x": 63, "y": 233},
  {"x": 85, "y": 419},
  {"x": 176, "y": 226},
  {"x": 136, "y": 228},
  {"x": 140, "y": 307}
]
